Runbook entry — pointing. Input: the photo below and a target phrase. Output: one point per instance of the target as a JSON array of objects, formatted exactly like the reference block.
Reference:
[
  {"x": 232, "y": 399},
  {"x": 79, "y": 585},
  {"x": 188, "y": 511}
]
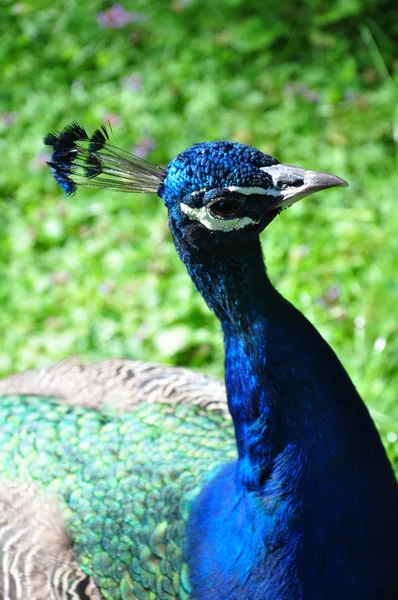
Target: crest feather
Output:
[{"x": 78, "y": 159}]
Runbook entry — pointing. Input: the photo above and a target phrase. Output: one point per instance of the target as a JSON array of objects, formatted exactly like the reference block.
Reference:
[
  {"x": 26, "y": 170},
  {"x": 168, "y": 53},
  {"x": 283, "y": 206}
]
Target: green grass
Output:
[{"x": 96, "y": 275}]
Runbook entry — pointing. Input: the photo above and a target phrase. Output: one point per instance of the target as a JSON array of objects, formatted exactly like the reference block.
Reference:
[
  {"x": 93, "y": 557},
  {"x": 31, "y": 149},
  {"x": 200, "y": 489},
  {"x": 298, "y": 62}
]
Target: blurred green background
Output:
[{"x": 96, "y": 274}]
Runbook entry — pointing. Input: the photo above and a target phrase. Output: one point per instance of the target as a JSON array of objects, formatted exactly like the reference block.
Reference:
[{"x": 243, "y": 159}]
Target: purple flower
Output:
[
  {"x": 332, "y": 294},
  {"x": 7, "y": 118},
  {"x": 106, "y": 288},
  {"x": 313, "y": 97},
  {"x": 117, "y": 16},
  {"x": 40, "y": 161},
  {"x": 299, "y": 89},
  {"x": 350, "y": 96},
  {"x": 132, "y": 82},
  {"x": 178, "y": 5},
  {"x": 143, "y": 147},
  {"x": 330, "y": 297},
  {"x": 112, "y": 118}
]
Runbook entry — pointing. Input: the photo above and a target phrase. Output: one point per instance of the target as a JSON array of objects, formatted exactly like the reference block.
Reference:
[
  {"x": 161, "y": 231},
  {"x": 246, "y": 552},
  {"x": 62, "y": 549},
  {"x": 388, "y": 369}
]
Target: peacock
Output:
[{"x": 130, "y": 480}]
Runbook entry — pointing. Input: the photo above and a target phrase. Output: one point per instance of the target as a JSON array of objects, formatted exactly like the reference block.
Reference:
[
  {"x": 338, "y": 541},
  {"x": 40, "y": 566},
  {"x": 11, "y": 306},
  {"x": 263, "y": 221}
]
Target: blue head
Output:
[
  {"x": 216, "y": 195},
  {"x": 221, "y": 195}
]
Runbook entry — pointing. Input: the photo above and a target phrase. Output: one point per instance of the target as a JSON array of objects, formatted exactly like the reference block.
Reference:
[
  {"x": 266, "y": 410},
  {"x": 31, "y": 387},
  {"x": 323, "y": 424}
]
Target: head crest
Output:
[{"x": 78, "y": 159}]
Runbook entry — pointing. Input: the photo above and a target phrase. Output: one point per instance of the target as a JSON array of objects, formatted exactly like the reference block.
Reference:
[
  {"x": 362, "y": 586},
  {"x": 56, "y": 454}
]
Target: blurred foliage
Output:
[{"x": 96, "y": 275}]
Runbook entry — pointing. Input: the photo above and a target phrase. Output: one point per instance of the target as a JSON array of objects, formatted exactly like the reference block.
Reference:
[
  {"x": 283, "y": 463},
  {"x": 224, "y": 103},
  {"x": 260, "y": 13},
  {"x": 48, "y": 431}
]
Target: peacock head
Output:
[{"x": 219, "y": 195}]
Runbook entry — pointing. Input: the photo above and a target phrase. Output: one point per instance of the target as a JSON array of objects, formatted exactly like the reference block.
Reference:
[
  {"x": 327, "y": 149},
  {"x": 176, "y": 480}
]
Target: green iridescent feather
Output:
[{"x": 125, "y": 481}]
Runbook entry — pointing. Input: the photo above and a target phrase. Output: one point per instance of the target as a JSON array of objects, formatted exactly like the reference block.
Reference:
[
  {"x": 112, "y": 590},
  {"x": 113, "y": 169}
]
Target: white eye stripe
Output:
[
  {"x": 205, "y": 218},
  {"x": 247, "y": 191},
  {"x": 274, "y": 192}
]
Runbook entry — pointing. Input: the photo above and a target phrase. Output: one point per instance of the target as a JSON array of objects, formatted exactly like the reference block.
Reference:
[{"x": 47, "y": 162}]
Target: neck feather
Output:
[
  {"x": 287, "y": 391},
  {"x": 312, "y": 499}
]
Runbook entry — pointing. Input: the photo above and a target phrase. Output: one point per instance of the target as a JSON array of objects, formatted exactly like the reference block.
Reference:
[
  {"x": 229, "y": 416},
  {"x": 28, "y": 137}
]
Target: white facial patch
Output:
[
  {"x": 203, "y": 216},
  {"x": 247, "y": 191},
  {"x": 276, "y": 193}
]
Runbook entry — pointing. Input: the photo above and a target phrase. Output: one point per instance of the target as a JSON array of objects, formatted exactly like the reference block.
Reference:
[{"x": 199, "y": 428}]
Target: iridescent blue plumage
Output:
[
  {"x": 309, "y": 511},
  {"x": 62, "y": 159},
  {"x": 211, "y": 165}
]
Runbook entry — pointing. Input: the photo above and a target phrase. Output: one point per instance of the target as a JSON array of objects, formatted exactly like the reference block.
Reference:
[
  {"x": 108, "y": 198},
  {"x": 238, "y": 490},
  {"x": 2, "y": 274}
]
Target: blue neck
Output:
[
  {"x": 311, "y": 465},
  {"x": 285, "y": 385}
]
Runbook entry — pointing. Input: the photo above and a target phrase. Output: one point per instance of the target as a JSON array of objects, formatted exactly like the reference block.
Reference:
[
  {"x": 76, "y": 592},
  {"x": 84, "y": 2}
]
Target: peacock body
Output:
[{"x": 126, "y": 480}]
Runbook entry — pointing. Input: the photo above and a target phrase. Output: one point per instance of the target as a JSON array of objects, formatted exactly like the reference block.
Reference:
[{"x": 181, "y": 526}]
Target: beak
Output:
[{"x": 292, "y": 183}]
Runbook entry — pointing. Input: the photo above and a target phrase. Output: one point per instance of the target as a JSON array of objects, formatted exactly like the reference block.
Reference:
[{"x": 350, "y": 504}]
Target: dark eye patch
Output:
[{"x": 225, "y": 207}]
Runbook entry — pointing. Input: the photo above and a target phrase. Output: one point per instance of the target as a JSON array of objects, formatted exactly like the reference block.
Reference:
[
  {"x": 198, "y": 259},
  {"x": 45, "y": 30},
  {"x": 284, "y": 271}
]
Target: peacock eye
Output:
[{"x": 224, "y": 208}]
